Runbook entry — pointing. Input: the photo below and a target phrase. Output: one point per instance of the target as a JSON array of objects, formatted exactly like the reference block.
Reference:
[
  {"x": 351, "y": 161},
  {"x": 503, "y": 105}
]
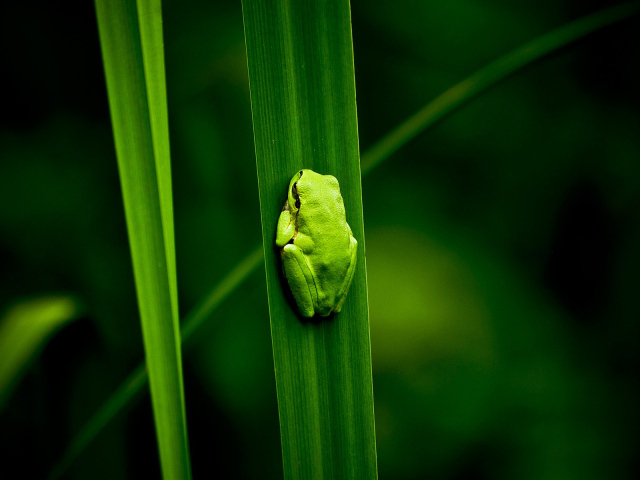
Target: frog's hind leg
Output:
[
  {"x": 300, "y": 279},
  {"x": 344, "y": 289}
]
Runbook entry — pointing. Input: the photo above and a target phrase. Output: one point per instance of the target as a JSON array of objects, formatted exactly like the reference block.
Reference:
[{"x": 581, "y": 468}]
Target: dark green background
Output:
[{"x": 502, "y": 245}]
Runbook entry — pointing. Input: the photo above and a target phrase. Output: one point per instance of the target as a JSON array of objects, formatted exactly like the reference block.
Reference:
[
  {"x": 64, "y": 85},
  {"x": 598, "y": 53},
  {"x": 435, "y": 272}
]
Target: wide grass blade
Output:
[
  {"x": 132, "y": 51},
  {"x": 24, "y": 329},
  {"x": 436, "y": 109},
  {"x": 301, "y": 78}
]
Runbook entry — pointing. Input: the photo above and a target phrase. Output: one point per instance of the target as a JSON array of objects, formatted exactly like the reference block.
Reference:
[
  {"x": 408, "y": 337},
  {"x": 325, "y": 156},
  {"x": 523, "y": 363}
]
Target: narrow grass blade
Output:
[
  {"x": 490, "y": 75},
  {"x": 24, "y": 329},
  {"x": 138, "y": 378},
  {"x": 228, "y": 284},
  {"x": 114, "y": 404},
  {"x": 132, "y": 51},
  {"x": 150, "y": 20},
  {"x": 301, "y": 78},
  {"x": 445, "y": 103}
]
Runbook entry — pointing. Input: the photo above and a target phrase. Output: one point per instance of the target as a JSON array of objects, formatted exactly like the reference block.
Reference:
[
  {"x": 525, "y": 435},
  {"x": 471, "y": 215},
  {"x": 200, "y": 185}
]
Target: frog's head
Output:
[
  {"x": 305, "y": 183},
  {"x": 294, "y": 196},
  {"x": 298, "y": 185}
]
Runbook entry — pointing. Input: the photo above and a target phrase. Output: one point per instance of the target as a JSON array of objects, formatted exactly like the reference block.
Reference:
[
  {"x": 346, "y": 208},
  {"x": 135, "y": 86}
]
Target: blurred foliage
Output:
[
  {"x": 502, "y": 245},
  {"x": 24, "y": 329}
]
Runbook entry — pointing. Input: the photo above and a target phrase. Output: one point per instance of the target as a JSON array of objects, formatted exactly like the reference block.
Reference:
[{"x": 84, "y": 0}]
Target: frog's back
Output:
[
  {"x": 323, "y": 206},
  {"x": 327, "y": 248}
]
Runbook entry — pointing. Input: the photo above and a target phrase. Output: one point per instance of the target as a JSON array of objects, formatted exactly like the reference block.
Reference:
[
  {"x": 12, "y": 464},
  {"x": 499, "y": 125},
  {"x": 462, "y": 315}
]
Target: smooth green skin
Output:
[{"x": 318, "y": 248}]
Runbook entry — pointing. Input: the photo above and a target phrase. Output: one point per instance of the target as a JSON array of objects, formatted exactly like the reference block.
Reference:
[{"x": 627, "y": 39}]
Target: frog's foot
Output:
[
  {"x": 344, "y": 289},
  {"x": 300, "y": 279}
]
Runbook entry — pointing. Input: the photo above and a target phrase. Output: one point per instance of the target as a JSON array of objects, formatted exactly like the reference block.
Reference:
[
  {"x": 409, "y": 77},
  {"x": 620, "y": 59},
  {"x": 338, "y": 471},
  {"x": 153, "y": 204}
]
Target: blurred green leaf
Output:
[
  {"x": 132, "y": 50},
  {"x": 301, "y": 78},
  {"x": 24, "y": 329}
]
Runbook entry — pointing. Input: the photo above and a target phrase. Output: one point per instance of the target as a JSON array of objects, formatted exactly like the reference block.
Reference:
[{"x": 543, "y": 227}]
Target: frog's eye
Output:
[{"x": 294, "y": 191}]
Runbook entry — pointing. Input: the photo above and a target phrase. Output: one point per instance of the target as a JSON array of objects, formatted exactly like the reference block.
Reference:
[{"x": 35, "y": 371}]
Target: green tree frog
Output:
[{"x": 318, "y": 249}]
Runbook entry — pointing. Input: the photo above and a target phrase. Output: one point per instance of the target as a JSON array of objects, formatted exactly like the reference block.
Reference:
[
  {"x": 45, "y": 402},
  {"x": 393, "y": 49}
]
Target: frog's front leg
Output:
[
  {"x": 300, "y": 279},
  {"x": 286, "y": 227},
  {"x": 344, "y": 289}
]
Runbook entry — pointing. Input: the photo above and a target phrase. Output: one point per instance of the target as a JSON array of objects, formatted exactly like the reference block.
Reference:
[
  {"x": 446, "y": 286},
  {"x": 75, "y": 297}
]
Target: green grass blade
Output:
[
  {"x": 132, "y": 51},
  {"x": 138, "y": 378},
  {"x": 24, "y": 329},
  {"x": 301, "y": 78},
  {"x": 150, "y": 21},
  {"x": 380, "y": 151},
  {"x": 490, "y": 75}
]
